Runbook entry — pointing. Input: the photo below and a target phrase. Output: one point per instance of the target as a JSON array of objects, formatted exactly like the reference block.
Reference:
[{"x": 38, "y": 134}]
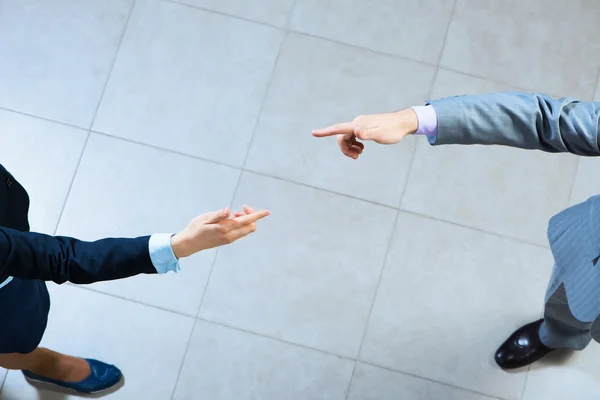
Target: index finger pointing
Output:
[
  {"x": 344, "y": 128},
  {"x": 252, "y": 218}
]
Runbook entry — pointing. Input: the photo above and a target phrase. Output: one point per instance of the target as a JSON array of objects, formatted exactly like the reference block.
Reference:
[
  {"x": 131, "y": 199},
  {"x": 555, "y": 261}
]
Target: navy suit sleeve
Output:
[{"x": 30, "y": 255}]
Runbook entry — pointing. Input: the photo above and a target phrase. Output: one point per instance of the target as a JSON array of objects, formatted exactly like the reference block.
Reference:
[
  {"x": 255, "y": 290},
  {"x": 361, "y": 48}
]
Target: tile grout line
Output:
[
  {"x": 475, "y": 75},
  {"x": 528, "y": 370},
  {"x": 225, "y": 325},
  {"x": 390, "y": 241},
  {"x": 439, "y": 60},
  {"x": 525, "y": 382},
  {"x": 491, "y": 80},
  {"x": 596, "y": 87},
  {"x": 429, "y": 94},
  {"x": 306, "y": 185},
  {"x": 287, "y": 29},
  {"x": 223, "y": 14},
  {"x": 43, "y": 118},
  {"x": 413, "y": 154},
  {"x": 185, "y": 354},
  {"x": 264, "y": 99},
  {"x": 262, "y": 105},
  {"x": 291, "y": 14},
  {"x": 406, "y": 211},
  {"x": 89, "y": 288},
  {"x": 430, "y": 380},
  {"x": 279, "y": 340},
  {"x": 205, "y": 290},
  {"x": 89, "y": 130},
  {"x": 166, "y": 150},
  {"x": 452, "y": 12},
  {"x": 3, "y": 380},
  {"x": 239, "y": 17},
  {"x": 218, "y": 323},
  {"x": 210, "y": 274},
  {"x": 393, "y": 232},
  {"x": 373, "y": 300},
  {"x": 112, "y": 66},
  {"x": 367, "y": 49},
  {"x": 64, "y": 206}
]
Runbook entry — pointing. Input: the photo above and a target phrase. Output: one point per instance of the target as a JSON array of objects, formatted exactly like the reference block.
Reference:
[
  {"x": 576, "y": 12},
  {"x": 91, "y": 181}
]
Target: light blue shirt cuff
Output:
[
  {"x": 161, "y": 253},
  {"x": 6, "y": 282}
]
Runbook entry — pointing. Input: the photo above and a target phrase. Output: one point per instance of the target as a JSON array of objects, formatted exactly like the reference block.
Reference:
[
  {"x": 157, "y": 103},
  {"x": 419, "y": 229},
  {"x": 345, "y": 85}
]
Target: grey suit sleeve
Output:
[{"x": 528, "y": 121}]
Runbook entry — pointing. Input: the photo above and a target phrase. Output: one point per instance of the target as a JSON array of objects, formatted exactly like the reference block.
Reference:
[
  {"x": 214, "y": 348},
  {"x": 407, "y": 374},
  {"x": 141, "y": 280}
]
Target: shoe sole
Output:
[
  {"x": 514, "y": 367},
  {"x": 61, "y": 389}
]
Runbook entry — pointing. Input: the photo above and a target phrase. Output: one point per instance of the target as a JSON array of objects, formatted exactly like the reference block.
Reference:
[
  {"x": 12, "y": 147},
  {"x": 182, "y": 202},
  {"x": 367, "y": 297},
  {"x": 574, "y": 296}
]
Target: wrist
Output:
[
  {"x": 411, "y": 120},
  {"x": 181, "y": 246}
]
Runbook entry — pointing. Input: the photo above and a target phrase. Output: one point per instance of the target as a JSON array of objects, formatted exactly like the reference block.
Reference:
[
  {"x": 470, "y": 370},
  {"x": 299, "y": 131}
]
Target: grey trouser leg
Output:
[{"x": 561, "y": 330}]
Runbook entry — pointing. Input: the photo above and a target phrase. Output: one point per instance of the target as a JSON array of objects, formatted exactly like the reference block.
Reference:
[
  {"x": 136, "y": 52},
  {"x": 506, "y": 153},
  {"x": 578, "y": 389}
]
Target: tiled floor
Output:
[{"x": 394, "y": 277}]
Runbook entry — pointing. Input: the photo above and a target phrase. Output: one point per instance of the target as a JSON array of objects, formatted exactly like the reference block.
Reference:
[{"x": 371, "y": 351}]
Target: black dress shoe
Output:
[{"x": 522, "y": 347}]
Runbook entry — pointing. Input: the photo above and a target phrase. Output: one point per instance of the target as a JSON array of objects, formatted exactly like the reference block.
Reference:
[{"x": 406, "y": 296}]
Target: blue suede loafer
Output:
[{"x": 102, "y": 377}]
